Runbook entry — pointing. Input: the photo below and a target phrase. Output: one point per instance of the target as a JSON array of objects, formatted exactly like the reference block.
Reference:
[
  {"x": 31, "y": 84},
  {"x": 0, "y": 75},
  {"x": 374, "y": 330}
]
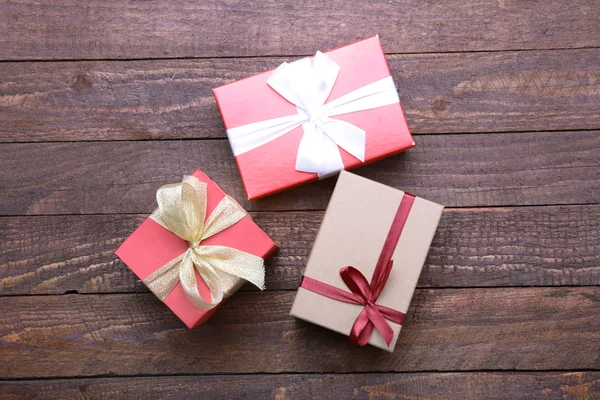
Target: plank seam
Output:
[
  {"x": 315, "y": 210},
  {"x": 242, "y": 290},
  {"x": 214, "y": 57},
  {"x": 225, "y": 138},
  {"x": 461, "y": 372}
]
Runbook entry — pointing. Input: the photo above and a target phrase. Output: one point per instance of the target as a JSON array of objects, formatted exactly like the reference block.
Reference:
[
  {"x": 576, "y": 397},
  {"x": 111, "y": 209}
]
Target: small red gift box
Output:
[
  {"x": 311, "y": 118},
  {"x": 153, "y": 245}
]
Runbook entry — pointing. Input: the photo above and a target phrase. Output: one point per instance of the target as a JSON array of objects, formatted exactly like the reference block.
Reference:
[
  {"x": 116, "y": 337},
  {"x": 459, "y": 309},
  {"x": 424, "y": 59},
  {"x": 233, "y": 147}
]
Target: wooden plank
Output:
[
  {"x": 530, "y": 246},
  {"x": 445, "y": 330},
  {"x": 170, "y": 99},
  {"x": 454, "y": 170},
  {"x": 186, "y": 28},
  {"x": 416, "y": 386}
]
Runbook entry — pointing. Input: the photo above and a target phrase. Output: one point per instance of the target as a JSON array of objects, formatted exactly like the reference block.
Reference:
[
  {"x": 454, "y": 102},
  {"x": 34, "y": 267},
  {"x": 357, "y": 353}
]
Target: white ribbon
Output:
[{"x": 308, "y": 87}]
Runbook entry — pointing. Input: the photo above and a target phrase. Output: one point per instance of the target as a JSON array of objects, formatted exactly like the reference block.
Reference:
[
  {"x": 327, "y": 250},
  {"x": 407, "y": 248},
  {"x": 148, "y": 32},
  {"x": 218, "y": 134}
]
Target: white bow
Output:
[{"x": 308, "y": 87}]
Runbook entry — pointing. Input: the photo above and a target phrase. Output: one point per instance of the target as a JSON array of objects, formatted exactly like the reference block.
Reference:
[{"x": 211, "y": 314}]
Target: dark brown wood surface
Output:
[
  {"x": 172, "y": 99},
  {"x": 414, "y": 386},
  {"x": 535, "y": 168},
  {"x": 66, "y": 29},
  {"x": 514, "y": 246},
  {"x": 103, "y": 102},
  {"x": 445, "y": 330}
]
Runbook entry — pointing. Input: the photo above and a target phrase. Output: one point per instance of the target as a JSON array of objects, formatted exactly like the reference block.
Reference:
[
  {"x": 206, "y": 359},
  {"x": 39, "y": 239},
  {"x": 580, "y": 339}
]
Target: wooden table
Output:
[{"x": 102, "y": 102}]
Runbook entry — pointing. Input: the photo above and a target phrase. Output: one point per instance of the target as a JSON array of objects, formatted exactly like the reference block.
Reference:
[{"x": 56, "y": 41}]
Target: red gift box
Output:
[
  {"x": 271, "y": 166},
  {"x": 151, "y": 246}
]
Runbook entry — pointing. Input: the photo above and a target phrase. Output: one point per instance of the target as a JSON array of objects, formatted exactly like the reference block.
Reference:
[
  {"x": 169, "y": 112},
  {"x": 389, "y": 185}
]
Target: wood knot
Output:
[
  {"x": 440, "y": 105},
  {"x": 82, "y": 82}
]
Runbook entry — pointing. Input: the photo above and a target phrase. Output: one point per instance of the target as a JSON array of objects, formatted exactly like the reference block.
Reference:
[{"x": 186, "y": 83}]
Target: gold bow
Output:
[{"x": 182, "y": 210}]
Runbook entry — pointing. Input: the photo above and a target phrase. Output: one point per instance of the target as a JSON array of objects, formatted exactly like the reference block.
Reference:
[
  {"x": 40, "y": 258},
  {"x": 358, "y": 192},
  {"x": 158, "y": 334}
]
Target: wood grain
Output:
[
  {"x": 530, "y": 246},
  {"x": 103, "y": 102},
  {"x": 67, "y": 29},
  {"x": 415, "y": 386},
  {"x": 170, "y": 99},
  {"x": 445, "y": 330},
  {"x": 454, "y": 170}
]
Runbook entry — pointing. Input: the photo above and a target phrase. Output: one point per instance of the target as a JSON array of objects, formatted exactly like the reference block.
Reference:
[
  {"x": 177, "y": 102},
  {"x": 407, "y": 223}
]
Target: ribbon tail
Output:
[
  {"x": 317, "y": 153},
  {"x": 349, "y": 137},
  {"x": 362, "y": 329},
  {"x": 332, "y": 163},
  {"x": 187, "y": 277},
  {"x": 235, "y": 262},
  {"x": 311, "y": 153},
  {"x": 380, "y": 323}
]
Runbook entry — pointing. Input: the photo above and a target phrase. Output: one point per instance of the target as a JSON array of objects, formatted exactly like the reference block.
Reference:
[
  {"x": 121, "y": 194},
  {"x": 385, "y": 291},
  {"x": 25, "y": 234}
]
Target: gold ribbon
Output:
[{"x": 182, "y": 210}]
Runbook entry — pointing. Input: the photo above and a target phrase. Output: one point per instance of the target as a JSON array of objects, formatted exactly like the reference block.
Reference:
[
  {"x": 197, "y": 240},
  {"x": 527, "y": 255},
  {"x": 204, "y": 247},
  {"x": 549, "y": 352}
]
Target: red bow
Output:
[
  {"x": 363, "y": 293},
  {"x": 373, "y": 315}
]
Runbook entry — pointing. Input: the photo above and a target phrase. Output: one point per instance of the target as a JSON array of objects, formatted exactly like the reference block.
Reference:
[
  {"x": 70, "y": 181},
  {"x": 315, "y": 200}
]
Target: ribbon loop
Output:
[
  {"x": 357, "y": 283},
  {"x": 308, "y": 87},
  {"x": 182, "y": 210},
  {"x": 187, "y": 277}
]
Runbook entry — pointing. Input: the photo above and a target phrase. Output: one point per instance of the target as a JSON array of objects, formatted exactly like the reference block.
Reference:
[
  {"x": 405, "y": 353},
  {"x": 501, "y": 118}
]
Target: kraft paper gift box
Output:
[
  {"x": 219, "y": 245},
  {"x": 311, "y": 118},
  {"x": 378, "y": 232}
]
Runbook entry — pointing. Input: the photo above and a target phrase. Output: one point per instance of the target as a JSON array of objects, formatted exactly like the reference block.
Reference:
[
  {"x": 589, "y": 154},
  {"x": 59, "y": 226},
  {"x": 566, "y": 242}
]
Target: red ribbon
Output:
[{"x": 366, "y": 294}]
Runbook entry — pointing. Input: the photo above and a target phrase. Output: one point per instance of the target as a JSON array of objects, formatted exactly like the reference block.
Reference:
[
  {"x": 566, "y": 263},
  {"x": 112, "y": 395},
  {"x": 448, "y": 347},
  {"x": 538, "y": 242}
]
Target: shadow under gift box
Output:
[
  {"x": 252, "y": 100},
  {"x": 353, "y": 232},
  {"x": 151, "y": 246}
]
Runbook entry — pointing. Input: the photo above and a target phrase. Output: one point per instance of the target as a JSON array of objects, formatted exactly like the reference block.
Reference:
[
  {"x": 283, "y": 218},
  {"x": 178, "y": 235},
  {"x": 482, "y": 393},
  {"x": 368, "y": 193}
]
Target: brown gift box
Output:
[{"x": 353, "y": 231}]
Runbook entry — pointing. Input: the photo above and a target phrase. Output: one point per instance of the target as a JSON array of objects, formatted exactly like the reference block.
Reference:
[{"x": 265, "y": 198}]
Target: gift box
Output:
[
  {"x": 197, "y": 248},
  {"x": 311, "y": 118},
  {"x": 366, "y": 261}
]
